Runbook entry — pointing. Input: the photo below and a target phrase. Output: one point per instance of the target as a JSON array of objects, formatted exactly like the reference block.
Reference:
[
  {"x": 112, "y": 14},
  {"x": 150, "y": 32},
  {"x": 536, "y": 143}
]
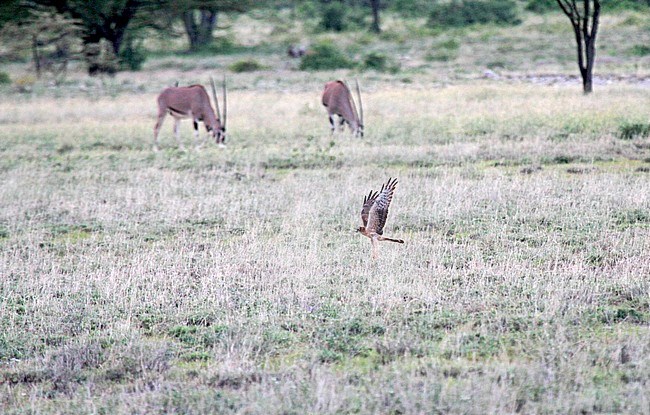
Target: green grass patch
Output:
[
  {"x": 629, "y": 131},
  {"x": 640, "y": 50},
  {"x": 246, "y": 65},
  {"x": 325, "y": 56}
]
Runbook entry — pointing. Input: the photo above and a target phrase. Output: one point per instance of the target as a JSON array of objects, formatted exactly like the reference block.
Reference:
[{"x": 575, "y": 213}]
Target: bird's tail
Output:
[{"x": 399, "y": 241}]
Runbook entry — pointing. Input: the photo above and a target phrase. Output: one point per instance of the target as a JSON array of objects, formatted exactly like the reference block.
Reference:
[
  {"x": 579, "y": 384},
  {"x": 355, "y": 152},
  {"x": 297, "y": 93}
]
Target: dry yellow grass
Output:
[{"x": 233, "y": 281}]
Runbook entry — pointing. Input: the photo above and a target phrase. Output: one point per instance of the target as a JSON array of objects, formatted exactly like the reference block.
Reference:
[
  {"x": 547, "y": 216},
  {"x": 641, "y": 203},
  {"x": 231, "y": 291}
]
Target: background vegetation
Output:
[{"x": 232, "y": 280}]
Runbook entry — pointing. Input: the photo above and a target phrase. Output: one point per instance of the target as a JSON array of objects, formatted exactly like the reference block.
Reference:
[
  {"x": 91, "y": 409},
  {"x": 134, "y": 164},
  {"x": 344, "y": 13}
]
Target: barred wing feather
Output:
[
  {"x": 368, "y": 201},
  {"x": 379, "y": 210}
]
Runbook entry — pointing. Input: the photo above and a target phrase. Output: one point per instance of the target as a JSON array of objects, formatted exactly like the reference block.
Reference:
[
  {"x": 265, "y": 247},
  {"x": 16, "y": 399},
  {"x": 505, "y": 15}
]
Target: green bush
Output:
[
  {"x": 246, "y": 65},
  {"x": 640, "y": 50},
  {"x": 4, "y": 78},
  {"x": 461, "y": 13},
  {"x": 545, "y": 6},
  {"x": 324, "y": 56},
  {"x": 333, "y": 17},
  {"x": 411, "y": 8},
  {"x": 542, "y": 6},
  {"x": 379, "y": 62},
  {"x": 625, "y": 4},
  {"x": 132, "y": 56}
]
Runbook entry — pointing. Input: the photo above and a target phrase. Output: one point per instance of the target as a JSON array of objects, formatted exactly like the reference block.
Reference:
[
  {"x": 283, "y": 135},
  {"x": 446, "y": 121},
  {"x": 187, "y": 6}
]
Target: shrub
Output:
[
  {"x": 246, "y": 65},
  {"x": 460, "y": 13},
  {"x": 640, "y": 50},
  {"x": 132, "y": 56},
  {"x": 379, "y": 62},
  {"x": 545, "y": 6},
  {"x": 4, "y": 78},
  {"x": 333, "y": 17},
  {"x": 324, "y": 56},
  {"x": 25, "y": 83},
  {"x": 542, "y": 6},
  {"x": 410, "y": 8},
  {"x": 101, "y": 58},
  {"x": 625, "y": 4}
]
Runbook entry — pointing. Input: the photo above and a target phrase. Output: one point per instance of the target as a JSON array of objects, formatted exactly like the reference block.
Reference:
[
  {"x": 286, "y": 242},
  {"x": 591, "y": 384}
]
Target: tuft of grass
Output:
[
  {"x": 379, "y": 62},
  {"x": 633, "y": 217},
  {"x": 246, "y": 65},
  {"x": 629, "y": 131}
]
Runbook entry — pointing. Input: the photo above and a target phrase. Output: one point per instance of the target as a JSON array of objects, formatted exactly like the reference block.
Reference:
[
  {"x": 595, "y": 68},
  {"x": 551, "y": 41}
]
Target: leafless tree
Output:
[
  {"x": 54, "y": 40},
  {"x": 584, "y": 16}
]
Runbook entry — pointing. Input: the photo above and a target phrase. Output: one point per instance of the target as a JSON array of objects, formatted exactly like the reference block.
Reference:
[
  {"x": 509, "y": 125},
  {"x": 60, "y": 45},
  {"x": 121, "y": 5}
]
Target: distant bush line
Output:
[
  {"x": 460, "y": 13},
  {"x": 545, "y": 6}
]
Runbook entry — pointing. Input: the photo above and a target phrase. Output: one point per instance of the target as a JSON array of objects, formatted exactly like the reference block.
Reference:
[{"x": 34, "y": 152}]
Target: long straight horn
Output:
[
  {"x": 225, "y": 103},
  {"x": 360, "y": 104},
  {"x": 214, "y": 96},
  {"x": 354, "y": 104}
]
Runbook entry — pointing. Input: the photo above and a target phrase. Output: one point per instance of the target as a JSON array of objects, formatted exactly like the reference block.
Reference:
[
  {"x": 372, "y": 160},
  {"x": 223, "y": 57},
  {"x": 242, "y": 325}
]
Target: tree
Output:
[
  {"x": 102, "y": 21},
  {"x": 52, "y": 38},
  {"x": 11, "y": 11},
  {"x": 585, "y": 27},
  {"x": 199, "y": 17},
  {"x": 375, "y": 16}
]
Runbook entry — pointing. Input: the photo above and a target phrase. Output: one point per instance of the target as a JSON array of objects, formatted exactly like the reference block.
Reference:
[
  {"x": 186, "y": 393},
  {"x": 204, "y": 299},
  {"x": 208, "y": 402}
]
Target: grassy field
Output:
[{"x": 233, "y": 281}]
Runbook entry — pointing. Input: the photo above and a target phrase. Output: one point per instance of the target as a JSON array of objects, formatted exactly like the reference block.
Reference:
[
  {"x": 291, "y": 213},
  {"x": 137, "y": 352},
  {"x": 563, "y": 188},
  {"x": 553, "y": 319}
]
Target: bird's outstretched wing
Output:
[
  {"x": 378, "y": 211},
  {"x": 367, "y": 204}
]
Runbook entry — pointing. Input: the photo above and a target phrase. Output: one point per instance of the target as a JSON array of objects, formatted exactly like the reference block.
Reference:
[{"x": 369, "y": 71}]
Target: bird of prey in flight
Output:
[{"x": 374, "y": 214}]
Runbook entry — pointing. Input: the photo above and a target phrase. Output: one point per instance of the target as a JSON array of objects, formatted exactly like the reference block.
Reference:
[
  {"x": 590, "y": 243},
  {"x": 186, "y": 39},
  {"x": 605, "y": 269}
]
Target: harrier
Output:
[{"x": 374, "y": 214}]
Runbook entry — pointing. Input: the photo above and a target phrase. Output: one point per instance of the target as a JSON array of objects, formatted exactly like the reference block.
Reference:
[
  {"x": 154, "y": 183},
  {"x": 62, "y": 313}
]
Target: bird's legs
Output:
[{"x": 374, "y": 247}]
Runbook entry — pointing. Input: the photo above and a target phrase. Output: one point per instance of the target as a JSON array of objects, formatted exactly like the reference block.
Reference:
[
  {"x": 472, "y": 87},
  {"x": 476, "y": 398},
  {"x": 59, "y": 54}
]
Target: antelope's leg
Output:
[
  {"x": 342, "y": 124},
  {"x": 332, "y": 125},
  {"x": 156, "y": 129},
  {"x": 196, "y": 133},
  {"x": 177, "y": 133}
]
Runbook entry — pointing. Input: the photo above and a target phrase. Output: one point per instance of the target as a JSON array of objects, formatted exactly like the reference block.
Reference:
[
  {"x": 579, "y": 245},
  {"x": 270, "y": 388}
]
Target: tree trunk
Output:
[
  {"x": 590, "y": 45},
  {"x": 199, "y": 33},
  {"x": 585, "y": 36},
  {"x": 375, "y": 16},
  {"x": 36, "y": 56},
  {"x": 190, "y": 28}
]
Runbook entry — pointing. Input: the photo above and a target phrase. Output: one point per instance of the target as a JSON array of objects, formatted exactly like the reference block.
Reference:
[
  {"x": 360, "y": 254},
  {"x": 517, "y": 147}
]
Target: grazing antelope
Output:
[
  {"x": 192, "y": 102},
  {"x": 338, "y": 101}
]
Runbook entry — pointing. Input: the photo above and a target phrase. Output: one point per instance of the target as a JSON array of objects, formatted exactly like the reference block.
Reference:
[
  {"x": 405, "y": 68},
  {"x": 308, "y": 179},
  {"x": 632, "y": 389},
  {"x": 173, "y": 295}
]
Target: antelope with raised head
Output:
[
  {"x": 338, "y": 101},
  {"x": 192, "y": 102}
]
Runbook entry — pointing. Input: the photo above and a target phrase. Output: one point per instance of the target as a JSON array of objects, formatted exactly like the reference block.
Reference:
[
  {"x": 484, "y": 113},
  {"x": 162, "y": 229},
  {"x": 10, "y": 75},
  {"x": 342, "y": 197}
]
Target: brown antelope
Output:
[
  {"x": 338, "y": 101},
  {"x": 192, "y": 102}
]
